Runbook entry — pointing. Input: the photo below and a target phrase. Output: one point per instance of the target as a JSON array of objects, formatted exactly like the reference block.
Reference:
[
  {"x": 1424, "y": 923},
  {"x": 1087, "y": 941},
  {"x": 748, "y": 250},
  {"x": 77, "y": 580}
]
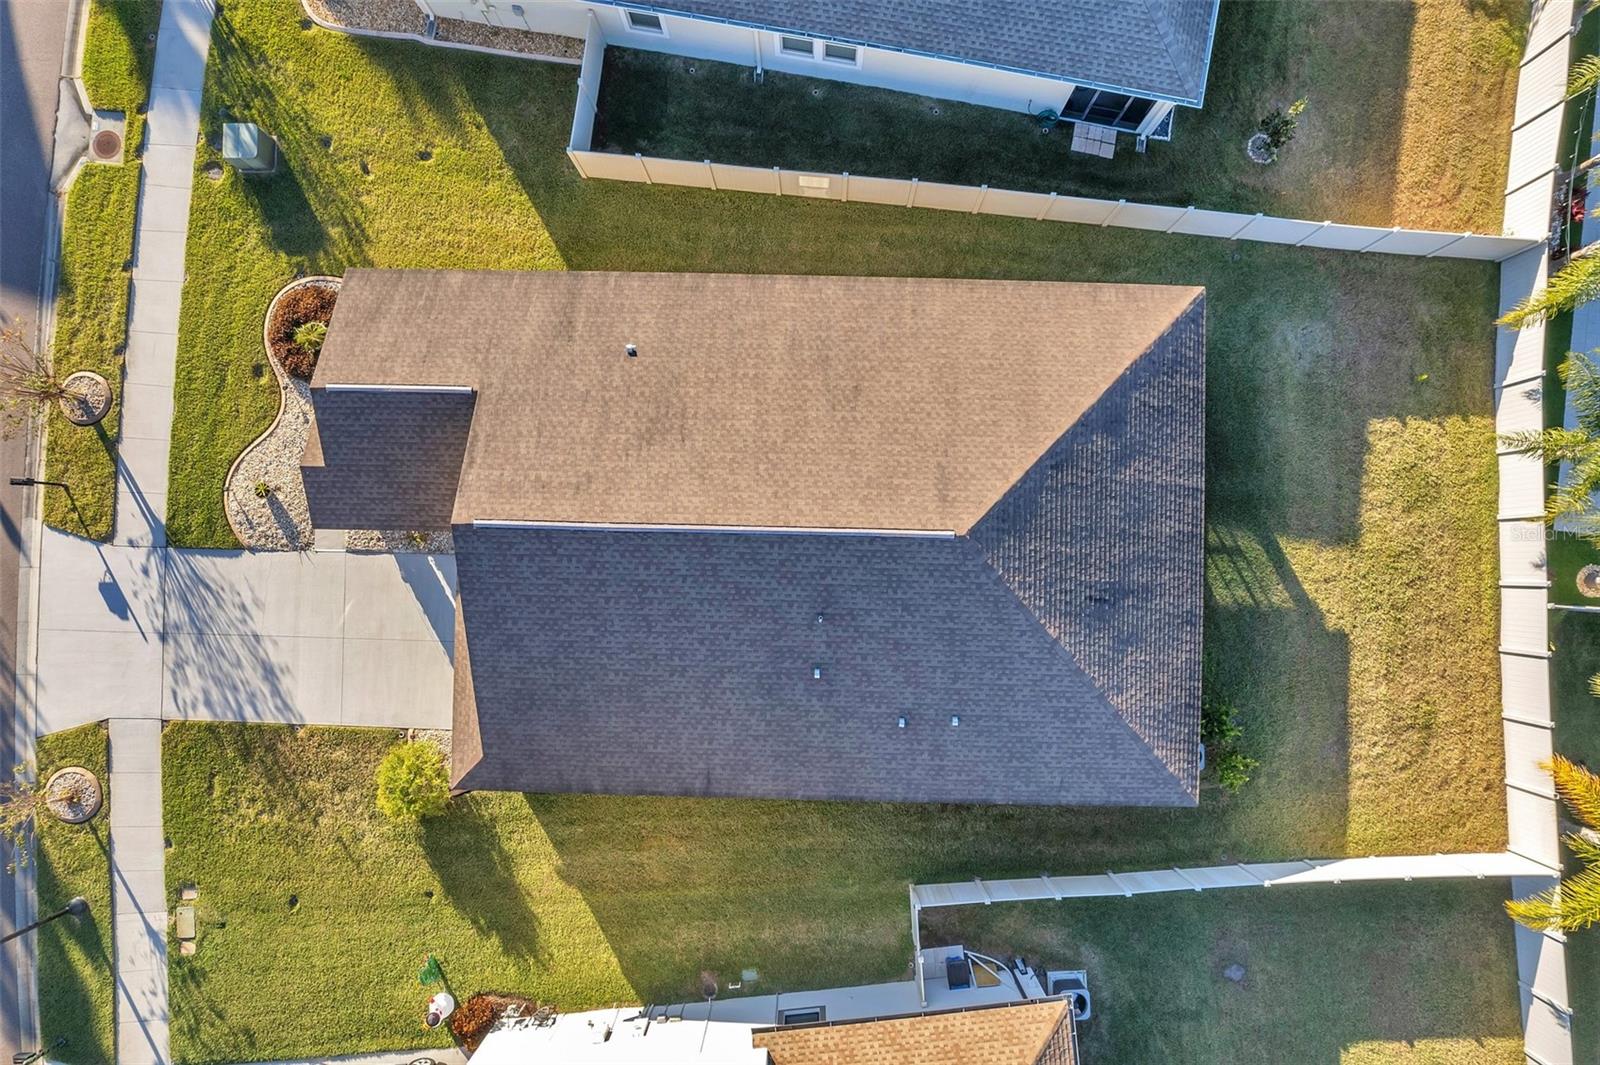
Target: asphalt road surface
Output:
[{"x": 32, "y": 42}]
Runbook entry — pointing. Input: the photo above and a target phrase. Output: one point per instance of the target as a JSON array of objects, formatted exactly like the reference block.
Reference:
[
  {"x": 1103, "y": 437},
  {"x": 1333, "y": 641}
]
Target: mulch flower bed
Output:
[
  {"x": 477, "y": 1016},
  {"x": 306, "y": 303}
]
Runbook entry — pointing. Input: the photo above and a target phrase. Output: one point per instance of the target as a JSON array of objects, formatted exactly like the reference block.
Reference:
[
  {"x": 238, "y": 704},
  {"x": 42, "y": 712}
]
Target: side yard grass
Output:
[
  {"x": 1350, "y": 577},
  {"x": 97, "y": 244},
  {"x": 1408, "y": 974},
  {"x": 1420, "y": 138},
  {"x": 76, "y": 997}
]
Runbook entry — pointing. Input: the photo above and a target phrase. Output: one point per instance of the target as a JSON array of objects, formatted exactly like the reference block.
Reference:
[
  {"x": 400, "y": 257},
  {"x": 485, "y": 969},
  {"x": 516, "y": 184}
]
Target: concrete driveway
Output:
[{"x": 323, "y": 637}]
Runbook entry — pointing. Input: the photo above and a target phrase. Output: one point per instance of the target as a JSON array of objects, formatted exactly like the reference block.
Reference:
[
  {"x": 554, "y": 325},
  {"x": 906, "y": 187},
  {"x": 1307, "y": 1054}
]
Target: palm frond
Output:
[
  {"x": 1585, "y": 76},
  {"x": 1580, "y": 376},
  {"x": 1579, "y": 788},
  {"x": 1583, "y": 848},
  {"x": 1573, "y": 285},
  {"x": 1594, "y": 685},
  {"x": 1571, "y": 905},
  {"x": 1552, "y": 445}
]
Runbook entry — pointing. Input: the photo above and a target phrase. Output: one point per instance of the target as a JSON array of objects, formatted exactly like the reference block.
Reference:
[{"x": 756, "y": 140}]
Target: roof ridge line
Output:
[{"x": 758, "y": 530}]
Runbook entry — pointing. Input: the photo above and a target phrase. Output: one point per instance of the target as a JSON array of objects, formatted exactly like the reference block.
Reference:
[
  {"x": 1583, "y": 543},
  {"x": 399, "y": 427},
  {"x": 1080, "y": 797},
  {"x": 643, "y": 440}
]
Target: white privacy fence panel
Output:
[
  {"x": 594, "y": 53},
  {"x": 1522, "y": 556},
  {"x": 1259, "y": 874},
  {"x": 1045, "y": 207}
]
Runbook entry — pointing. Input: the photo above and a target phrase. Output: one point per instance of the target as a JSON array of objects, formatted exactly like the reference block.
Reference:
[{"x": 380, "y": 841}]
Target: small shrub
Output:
[
  {"x": 263, "y": 489},
  {"x": 1221, "y": 734},
  {"x": 310, "y": 335},
  {"x": 1279, "y": 126},
  {"x": 413, "y": 782}
]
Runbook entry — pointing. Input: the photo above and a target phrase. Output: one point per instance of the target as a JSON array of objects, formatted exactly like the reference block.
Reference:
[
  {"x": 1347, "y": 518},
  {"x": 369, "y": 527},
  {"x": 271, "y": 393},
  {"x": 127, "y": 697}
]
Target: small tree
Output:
[
  {"x": 20, "y": 799},
  {"x": 1280, "y": 125},
  {"x": 1574, "y": 903},
  {"x": 28, "y": 381},
  {"x": 413, "y": 782}
]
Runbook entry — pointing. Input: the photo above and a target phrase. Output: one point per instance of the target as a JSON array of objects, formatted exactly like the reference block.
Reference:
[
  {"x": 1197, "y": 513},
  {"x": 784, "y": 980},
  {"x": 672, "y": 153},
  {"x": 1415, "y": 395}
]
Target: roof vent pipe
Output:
[{"x": 632, "y": 350}]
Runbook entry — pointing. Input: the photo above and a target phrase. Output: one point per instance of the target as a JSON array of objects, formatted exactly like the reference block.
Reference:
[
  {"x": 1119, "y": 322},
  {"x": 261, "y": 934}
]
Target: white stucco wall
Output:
[{"x": 923, "y": 75}]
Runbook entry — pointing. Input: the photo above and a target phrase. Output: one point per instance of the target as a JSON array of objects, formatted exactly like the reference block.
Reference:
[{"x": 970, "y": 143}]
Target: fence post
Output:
[
  {"x": 574, "y": 157},
  {"x": 1240, "y": 231},
  {"x": 1106, "y": 221},
  {"x": 911, "y": 197},
  {"x": 983, "y": 191},
  {"x": 1381, "y": 239},
  {"x": 845, "y": 195},
  {"x": 712, "y": 174},
  {"x": 777, "y": 176},
  {"x": 1448, "y": 244},
  {"x": 1314, "y": 232},
  {"x": 1176, "y": 222},
  {"x": 1047, "y": 207},
  {"x": 648, "y": 180}
]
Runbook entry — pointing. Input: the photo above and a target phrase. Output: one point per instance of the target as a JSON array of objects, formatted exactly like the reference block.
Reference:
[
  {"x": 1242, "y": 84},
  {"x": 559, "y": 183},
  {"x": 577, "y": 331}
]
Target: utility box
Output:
[{"x": 247, "y": 149}]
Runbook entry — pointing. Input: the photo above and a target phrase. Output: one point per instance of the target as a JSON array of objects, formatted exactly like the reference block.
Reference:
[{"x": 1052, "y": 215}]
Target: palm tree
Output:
[
  {"x": 1580, "y": 446},
  {"x": 1574, "y": 903},
  {"x": 1573, "y": 285}
]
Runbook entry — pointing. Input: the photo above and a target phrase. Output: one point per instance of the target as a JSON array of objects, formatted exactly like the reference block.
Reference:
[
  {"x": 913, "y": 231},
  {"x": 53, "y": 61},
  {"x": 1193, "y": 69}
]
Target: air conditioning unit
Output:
[
  {"x": 1075, "y": 984},
  {"x": 106, "y": 132}
]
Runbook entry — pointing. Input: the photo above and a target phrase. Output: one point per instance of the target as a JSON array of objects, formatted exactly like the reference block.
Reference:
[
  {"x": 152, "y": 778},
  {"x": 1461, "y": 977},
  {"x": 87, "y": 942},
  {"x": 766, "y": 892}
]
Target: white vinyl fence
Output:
[
  {"x": 1532, "y": 810},
  {"x": 1039, "y": 206}
]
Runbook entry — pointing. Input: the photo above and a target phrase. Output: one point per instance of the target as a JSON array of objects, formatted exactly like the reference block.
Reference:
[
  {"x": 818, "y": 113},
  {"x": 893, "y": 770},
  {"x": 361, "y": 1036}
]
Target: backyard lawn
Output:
[
  {"x": 1419, "y": 138},
  {"x": 76, "y": 998},
  {"x": 1351, "y": 576},
  {"x": 1409, "y": 974},
  {"x": 97, "y": 243}
]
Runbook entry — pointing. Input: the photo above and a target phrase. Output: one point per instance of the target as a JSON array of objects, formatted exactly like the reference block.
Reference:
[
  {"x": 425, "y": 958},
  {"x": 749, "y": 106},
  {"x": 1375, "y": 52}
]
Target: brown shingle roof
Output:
[
  {"x": 1025, "y": 1034},
  {"x": 1062, "y": 623},
  {"x": 836, "y": 402}
]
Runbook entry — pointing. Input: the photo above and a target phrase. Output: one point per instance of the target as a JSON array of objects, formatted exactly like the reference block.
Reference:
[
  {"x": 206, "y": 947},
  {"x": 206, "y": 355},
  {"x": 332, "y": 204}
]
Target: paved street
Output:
[{"x": 32, "y": 43}]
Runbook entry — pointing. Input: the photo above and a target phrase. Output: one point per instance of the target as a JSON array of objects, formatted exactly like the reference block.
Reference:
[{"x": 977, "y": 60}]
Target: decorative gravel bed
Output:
[
  {"x": 264, "y": 497},
  {"x": 399, "y": 541},
  {"x": 403, "y": 16}
]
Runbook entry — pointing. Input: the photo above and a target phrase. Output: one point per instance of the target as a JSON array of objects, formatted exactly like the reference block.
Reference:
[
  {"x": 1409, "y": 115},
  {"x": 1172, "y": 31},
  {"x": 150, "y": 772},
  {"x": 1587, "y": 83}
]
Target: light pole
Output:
[
  {"x": 77, "y": 908},
  {"x": 33, "y": 482}
]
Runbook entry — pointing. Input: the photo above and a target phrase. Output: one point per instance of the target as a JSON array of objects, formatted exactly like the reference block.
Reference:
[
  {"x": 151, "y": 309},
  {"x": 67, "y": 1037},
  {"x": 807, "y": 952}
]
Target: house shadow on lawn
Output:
[{"x": 813, "y": 894}]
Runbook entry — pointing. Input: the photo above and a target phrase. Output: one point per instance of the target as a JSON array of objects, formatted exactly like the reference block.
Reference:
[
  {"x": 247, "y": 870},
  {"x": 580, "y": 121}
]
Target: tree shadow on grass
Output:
[
  {"x": 464, "y": 850},
  {"x": 76, "y": 995}
]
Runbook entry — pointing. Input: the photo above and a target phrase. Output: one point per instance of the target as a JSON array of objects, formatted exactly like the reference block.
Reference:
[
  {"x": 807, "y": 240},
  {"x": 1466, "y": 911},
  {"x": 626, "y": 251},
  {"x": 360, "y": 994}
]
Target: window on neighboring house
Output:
[
  {"x": 645, "y": 22},
  {"x": 797, "y": 45},
  {"x": 1114, "y": 109},
  {"x": 809, "y": 1015},
  {"x": 839, "y": 53}
]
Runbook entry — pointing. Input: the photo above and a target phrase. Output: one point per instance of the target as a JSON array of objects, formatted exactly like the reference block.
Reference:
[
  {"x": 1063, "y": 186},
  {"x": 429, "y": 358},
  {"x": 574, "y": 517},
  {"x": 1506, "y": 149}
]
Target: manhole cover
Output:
[{"x": 107, "y": 144}]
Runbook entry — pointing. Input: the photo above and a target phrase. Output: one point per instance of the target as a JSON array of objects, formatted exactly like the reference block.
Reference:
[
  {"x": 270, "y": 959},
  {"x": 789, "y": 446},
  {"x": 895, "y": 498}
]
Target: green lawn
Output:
[
  {"x": 1420, "y": 138},
  {"x": 76, "y": 997},
  {"x": 1402, "y": 974},
  {"x": 97, "y": 244},
  {"x": 1350, "y": 573}
]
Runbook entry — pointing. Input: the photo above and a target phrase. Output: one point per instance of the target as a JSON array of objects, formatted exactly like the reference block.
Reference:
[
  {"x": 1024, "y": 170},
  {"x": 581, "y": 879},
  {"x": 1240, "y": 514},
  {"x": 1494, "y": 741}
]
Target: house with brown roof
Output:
[
  {"x": 1008, "y": 1020},
  {"x": 894, "y": 539}
]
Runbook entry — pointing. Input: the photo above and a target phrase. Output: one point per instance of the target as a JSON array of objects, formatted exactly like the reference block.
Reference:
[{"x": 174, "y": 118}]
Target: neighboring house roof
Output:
[
  {"x": 1047, "y": 439},
  {"x": 1157, "y": 48},
  {"x": 1032, "y": 1033}
]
